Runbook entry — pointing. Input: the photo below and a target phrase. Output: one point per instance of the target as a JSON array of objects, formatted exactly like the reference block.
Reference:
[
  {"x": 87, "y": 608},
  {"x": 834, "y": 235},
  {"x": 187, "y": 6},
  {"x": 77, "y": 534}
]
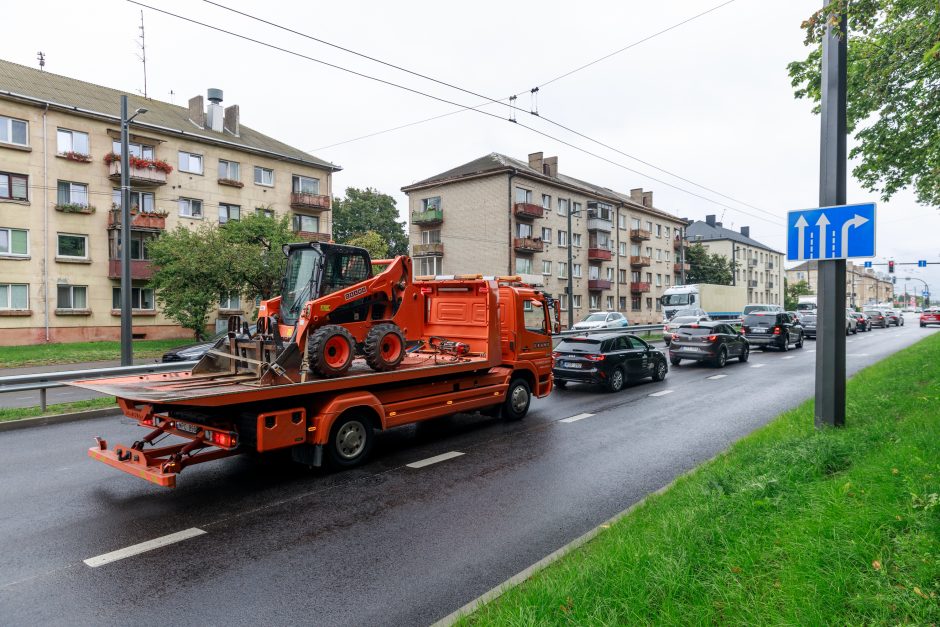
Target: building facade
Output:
[
  {"x": 753, "y": 264},
  {"x": 60, "y": 219},
  {"x": 863, "y": 286},
  {"x": 501, "y": 216}
]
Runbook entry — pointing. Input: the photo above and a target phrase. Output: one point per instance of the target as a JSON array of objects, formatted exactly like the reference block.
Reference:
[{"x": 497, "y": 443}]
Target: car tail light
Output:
[
  {"x": 776, "y": 330},
  {"x": 665, "y": 328},
  {"x": 555, "y": 354},
  {"x": 712, "y": 338},
  {"x": 594, "y": 357},
  {"x": 744, "y": 329}
]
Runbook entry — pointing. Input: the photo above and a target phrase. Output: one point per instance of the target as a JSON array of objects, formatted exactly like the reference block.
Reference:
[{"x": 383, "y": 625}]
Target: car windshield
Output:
[
  {"x": 688, "y": 330},
  {"x": 580, "y": 345},
  {"x": 597, "y": 317},
  {"x": 760, "y": 320},
  {"x": 684, "y": 319},
  {"x": 808, "y": 317},
  {"x": 675, "y": 299}
]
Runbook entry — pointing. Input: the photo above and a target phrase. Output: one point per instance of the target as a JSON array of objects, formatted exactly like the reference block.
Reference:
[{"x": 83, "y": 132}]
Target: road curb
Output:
[{"x": 41, "y": 421}]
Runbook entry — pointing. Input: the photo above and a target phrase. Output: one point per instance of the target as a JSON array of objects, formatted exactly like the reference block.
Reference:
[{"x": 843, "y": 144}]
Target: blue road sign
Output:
[
  {"x": 867, "y": 264},
  {"x": 921, "y": 263},
  {"x": 841, "y": 232},
  {"x": 925, "y": 294}
]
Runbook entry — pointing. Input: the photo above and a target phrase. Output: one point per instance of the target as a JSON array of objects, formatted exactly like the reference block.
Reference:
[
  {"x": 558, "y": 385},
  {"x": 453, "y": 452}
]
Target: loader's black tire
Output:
[
  {"x": 384, "y": 347},
  {"x": 330, "y": 350}
]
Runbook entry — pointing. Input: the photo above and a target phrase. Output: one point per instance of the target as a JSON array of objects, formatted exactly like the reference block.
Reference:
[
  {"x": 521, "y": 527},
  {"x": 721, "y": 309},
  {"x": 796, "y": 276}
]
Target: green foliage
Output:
[
  {"x": 373, "y": 242},
  {"x": 79, "y": 352},
  {"x": 19, "y": 413},
  {"x": 893, "y": 76},
  {"x": 706, "y": 268},
  {"x": 792, "y": 293},
  {"x": 364, "y": 210},
  {"x": 254, "y": 254}
]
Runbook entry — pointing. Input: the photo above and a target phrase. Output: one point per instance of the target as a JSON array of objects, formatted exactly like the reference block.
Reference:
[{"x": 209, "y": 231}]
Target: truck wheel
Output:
[
  {"x": 384, "y": 347},
  {"x": 518, "y": 397},
  {"x": 350, "y": 441},
  {"x": 330, "y": 350}
]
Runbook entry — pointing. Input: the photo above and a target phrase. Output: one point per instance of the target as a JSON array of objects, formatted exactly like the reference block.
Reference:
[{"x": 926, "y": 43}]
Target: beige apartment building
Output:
[
  {"x": 863, "y": 286},
  {"x": 60, "y": 222},
  {"x": 497, "y": 215},
  {"x": 754, "y": 264}
]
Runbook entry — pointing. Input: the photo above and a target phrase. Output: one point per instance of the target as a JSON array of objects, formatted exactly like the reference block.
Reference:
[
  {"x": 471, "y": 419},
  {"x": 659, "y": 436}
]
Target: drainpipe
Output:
[
  {"x": 509, "y": 270},
  {"x": 45, "y": 222}
]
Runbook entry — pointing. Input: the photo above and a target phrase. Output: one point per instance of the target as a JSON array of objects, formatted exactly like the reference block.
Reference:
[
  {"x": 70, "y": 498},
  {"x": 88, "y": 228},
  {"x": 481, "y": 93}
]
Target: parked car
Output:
[
  {"x": 808, "y": 322},
  {"x": 609, "y": 359},
  {"x": 769, "y": 328},
  {"x": 194, "y": 352},
  {"x": 931, "y": 315},
  {"x": 602, "y": 320},
  {"x": 712, "y": 342},
  {"x": 862, "y": 320},
  {"x": 752, "y": 307},
  {"x": 669, "y": 329}
]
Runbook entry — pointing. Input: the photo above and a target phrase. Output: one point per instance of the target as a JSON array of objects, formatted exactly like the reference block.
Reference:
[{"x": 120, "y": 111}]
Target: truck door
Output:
[{"x": 534, "y": 336}]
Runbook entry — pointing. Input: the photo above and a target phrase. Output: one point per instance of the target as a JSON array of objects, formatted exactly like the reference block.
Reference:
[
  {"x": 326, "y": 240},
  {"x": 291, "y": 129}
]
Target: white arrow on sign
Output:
[
  {"x": 822, "y": 223},
  {"x": 856, "y": 221},
  {"x": 801, "y": 224}
]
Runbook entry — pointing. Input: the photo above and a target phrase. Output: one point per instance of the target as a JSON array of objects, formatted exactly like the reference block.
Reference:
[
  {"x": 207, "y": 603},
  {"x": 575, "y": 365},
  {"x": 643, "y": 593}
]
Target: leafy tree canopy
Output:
[
  {"x": 893, "y": 70},
  {"x": 364, "y": 210},
  {"x": 792, "y": 293},
  {"x": 254, "y": 253},
  {"x": 706, "y": 268},
  {"x": 373, "y": 242}
]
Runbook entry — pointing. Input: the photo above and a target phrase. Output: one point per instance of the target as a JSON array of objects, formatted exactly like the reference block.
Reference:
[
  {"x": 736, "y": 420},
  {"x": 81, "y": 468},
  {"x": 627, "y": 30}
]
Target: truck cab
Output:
[
  {"x": 526, "y": 322},
  {"x": 679, "y": 297}
]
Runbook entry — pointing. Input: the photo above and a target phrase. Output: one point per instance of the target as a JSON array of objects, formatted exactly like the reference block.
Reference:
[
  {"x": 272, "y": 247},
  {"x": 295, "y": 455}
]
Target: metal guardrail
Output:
[{"x": 42, "y": 381}]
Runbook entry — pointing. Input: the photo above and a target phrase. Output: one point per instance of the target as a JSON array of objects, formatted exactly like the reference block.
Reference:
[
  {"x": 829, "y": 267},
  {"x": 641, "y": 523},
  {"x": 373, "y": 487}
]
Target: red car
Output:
[{"x": 930, "y": 316}]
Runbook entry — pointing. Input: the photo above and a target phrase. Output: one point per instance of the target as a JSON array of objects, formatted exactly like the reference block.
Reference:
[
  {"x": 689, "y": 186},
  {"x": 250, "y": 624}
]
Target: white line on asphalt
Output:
[
  {"x": 857, "y": 355},
  {"x": 661, "y": 393},
  {"x": 812, "y": 350},
  {"x": 576, "y": 418},
  {"x": 143, "y": 547},
  {"x": 717, "y": 376},
  {"x": 758, "y": 365},
  {"x": 443, "y": 457},
  {"x": 787, "y": 357}
]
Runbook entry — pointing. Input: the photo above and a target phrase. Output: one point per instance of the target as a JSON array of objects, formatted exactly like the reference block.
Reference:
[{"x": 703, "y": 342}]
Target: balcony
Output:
[
  {"x": 528, "y": 211},
  {"x": 599, "y": 223},
  {"x": 142, "y": 221},
  {"x": 309, "y": 201},
  {"x": 636, "y": 260},
  {"x": 435, "y": 249},
  {"x": 752, "y": 284},
  {"x": 527, "y": 245},
  {"x": 140, "y": 269},
  {"x": 598, "y": 284},
  {"x": 770, "y": 285},
  {"x": 140, "y": 177},
  {"x": 678, "y": 242},
  {"x": 637, "y": 287},
  {"x": 770, "y": 265},
  {"x": 678, "y": 268},
  {"x": 599, "y": 254},
  {"x": 312, "y": 236},
  {"x": 640, "y": 235},
  {"x": 752, "y": 263},
  {"x": 431, "y": 216}
]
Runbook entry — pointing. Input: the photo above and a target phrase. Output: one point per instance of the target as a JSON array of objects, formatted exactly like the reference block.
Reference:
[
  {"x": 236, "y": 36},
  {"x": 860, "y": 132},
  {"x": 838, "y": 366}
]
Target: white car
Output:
[{"x": 602, "y": 320}]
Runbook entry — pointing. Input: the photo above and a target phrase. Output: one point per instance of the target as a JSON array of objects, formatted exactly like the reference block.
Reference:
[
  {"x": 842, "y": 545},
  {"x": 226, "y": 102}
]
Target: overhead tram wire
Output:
[{"x": 444, "y": 100}]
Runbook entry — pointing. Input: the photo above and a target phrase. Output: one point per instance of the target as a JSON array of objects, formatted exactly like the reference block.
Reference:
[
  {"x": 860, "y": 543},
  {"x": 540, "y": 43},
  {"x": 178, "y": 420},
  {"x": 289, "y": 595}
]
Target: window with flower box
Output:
[{"x": 72, "y": 142}]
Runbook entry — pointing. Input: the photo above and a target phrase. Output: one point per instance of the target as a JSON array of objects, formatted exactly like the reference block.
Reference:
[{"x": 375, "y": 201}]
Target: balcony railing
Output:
[
  {"x": 599, "y": 254},
  {"x": 752, "y": 283},
  {"x": 431, "y": 216},
  {"x": 309, "y": 201},
  {"x": 679, "y": 267},
  {"x": 528, "y": 210},
  {"x": 140, "y": 269},
  {"x": 599, "y": 284},
  {"x": 139, "y": 221},
  {"x": 140, "y": 177},
  {"x": 770, "y": 285},
  {"x": 312, "y": 236},
  {"x": 752, "y": 263},
  {"x": 639, "y": 235},
  {"x": 770, "y": 265},
  {"x": 597, "y": 223},
  {"x": 678, "y": 242},
  {"x": 527, "y": 245},
  {"x": 636, "y": 260},
  {"x": 435, "y": 248},
  {"x": 638, "y": 286}
]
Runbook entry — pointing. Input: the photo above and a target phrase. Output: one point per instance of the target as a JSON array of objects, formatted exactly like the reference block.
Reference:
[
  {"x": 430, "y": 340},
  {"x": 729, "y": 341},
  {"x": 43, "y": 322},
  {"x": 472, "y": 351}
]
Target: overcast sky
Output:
[{"x": 709, "y": 101}]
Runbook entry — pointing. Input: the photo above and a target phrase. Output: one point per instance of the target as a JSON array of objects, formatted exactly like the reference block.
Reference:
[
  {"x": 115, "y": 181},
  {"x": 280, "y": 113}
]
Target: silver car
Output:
[{"x": 602, "y": 320}]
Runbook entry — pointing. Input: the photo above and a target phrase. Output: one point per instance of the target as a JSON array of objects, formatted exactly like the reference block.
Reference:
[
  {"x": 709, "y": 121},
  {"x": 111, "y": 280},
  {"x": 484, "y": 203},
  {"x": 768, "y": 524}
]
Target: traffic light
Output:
[{"x": 891, "y": 266}]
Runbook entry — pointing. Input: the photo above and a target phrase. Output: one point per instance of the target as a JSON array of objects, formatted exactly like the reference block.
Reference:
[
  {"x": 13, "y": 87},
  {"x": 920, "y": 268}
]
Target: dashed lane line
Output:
[
  {"x": 661, "y": 393},
  {"x": 576, "y": 418},
  {"x": 143, "y": 547},
  {"x": 788, "y": 357},
  {"x": 443, "y": 457},
  {"x": 758, "y": 365},
  {"x": 717, "y": 376}
]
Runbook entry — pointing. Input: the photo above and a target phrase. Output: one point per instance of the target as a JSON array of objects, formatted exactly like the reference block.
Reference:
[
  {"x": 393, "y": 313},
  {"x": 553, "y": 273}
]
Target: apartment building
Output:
[
  {"x": 754, "y": 264},
  {"x": 60, "y": 220},
  {"x": 497, "y": 215},
  {"x": 863, "y": 286}
]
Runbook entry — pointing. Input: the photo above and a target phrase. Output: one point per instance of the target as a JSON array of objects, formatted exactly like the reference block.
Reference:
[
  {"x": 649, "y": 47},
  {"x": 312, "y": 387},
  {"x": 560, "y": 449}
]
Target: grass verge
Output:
[
  {"x": 70, "y": 353},
  {"x": 790, "y": 526},
  {"x": 19, "y": 413}
]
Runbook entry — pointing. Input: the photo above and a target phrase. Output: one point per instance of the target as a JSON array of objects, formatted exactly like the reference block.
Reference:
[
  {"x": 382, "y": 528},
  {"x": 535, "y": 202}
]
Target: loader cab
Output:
[{"x": 316, "y": 269}]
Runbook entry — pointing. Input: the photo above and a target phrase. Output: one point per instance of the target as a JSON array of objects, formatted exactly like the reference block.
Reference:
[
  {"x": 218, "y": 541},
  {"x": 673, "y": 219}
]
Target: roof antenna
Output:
[
  {"x": 42, "y": 60},
  {"x": 534, "y": 92},
  {"x": 143, "y": 50},
  {"x": 172, "y": 94}
]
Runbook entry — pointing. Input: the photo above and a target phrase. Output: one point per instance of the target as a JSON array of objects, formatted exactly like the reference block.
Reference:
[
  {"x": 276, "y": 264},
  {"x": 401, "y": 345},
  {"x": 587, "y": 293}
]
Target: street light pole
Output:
[
  {"x": 570, "y": 271},
  {"x": 127, "y": 347}
]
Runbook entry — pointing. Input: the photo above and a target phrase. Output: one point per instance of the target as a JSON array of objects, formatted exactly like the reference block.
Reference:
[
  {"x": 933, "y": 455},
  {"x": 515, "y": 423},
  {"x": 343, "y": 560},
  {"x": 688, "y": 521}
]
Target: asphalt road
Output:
[{"x": 383, "y": 544}]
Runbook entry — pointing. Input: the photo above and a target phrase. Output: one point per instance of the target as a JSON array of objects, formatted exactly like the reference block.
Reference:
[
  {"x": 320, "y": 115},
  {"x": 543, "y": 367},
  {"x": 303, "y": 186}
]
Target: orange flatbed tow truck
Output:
[{"x": 475, "y": 344}]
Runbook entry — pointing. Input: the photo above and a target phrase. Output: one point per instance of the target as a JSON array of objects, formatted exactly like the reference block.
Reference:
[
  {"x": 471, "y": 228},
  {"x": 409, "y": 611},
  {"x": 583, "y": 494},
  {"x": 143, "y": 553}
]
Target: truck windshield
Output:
[
  {"x": 675, "y": 299},
  {"x": 301, "y": 266}
]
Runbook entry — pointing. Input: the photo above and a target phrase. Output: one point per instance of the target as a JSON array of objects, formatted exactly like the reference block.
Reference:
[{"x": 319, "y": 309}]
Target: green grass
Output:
[
  {"x": 19, "y": 413},
  {"x": 47, "y": 354},
  {"x": 790, "y": 526}
]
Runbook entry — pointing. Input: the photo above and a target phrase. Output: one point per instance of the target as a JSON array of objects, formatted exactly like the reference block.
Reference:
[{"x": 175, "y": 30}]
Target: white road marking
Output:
[
  {"x": 22, "y": 398},
  {"x": 758, "y": 365},
  {"x": 788, "y": 357},
  {"x": 143, "y": 547},
  {"x": 812, "y": 350},
  {"x": 717, "y": 376},
  {"x": 661, "y": 393},
  {"x": 443, "y": 457},
  {"x": 857, "y": 355},
  {"x": 576, "y": 418}
]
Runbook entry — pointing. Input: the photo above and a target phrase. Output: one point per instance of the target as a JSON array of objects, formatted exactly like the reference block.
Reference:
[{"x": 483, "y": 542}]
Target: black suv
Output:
[
  {"x": 609, "y": 359},
  {"x": 711, "y": 342},
  {"x": 770, "y": 328}
]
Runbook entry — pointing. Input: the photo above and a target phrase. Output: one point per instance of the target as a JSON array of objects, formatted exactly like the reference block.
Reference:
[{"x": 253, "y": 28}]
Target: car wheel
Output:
[
  {"x": 659, "y": 370},
  {"x": 855, "y": 331},
  {"x": 786, "y": 343},
  {"x": 560, "y": 383},
  {"x": 675, "y": 361},
  {"x": 922, "y": 325},
  {"x": 615, "y": 381},
  {"x": 799, "y": 341},
  {"x": 722, "y": 358},
  {"x": 518, "y": 397},
  {"x": 745, "y": 354}
]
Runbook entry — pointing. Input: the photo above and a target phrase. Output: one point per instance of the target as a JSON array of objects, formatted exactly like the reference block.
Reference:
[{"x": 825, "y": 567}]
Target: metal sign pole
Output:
[
  {"x": 127, "y": 350},
  {"x": 830, "y": 344}
]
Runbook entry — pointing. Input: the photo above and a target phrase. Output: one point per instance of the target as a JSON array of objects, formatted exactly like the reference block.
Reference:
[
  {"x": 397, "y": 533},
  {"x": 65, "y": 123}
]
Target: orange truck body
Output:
[{"x": 506, "y": 325}]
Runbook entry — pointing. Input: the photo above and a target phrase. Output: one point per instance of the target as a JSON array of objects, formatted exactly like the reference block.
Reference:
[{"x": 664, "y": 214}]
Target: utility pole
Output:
[
  {"x": 127, "y": 347},
  {"x": 734, "y": 264},
  {"x": 830, "y": 344},
  {"x": 570, "y": 271}
]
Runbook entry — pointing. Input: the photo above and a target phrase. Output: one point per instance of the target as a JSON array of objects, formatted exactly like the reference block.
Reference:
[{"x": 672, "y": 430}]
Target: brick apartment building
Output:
[{"x": 497, "y": 215}]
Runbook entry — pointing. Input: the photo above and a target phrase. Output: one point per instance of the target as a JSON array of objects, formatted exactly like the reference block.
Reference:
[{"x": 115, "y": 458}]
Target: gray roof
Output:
[
  {"x": 495, "y": 162},
  {"x": 19, "y": 82},
  {"x": 716, "y": 233}
]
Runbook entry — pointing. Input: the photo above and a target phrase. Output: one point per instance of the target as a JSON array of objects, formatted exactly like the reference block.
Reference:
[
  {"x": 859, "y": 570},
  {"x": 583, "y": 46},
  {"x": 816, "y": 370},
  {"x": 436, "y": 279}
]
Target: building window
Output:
[
  {"x": 594, "y": 273},
  {"x": 431, "y": 236},
  {"x": 230, "y": 302},
  {"x": 621, "y": 220},
  {"x": 305, "y": 184},
  {"x": 429, "y": 266},
  {"x": 72, "y": 297},
  {"x": 659, "y": 280},
  {"x": 546, "y": 201},
  {"x": 190, "y": 208},
  {"x": 610, "y": 273},
  {"x": 562, "y": 206},
  {"x": 229, "y": 170},
  {"x": 667, "y": 280},
  {"x": 659, "y": 230},
  {"x": 610, "y": 303},
  {"x": 623, "y": 249},
  {"x": 564, "y": 302},
  {"x": 594, "y": 301},
  {"x": 14, "y": 242},
  {"x": 575, "y": 209},
  {"x": 546, "y": 235},
  {"x": 649, "y": 226},
  {"x": 137, "y": 150},
  {"x": 523, "y": 230},
  {"x": 264, "y": 211},
  {"x": 649, "y": 277},
  {"x": 14, "y": 296},
  {"x": 523, "y": 195},
  {"x": 659, "y": 254},
  {"x": 576, "y": 270},
  {"x": 264, "y": 176},
  {"x": 576, "y": 301},
  {"x": 635, "y": 250},
  {"x": 659, "y": 305},
  {"x": 649, "y": 303},
  {"x": 576, "y": 239},
  {"x": 634, "y": 303},
  {"x": 306, "y": 224},
  {"x": 140, "y": 201},
  {"x": 190, "y": 162},
  {"x": 562, "y": 238},
  {"x": 72, "y": 141},
  {"x": 562, "y": 269},
  {"x": 635, "y": 276},
  {"x": 431, "y": 204},
  {"x": 622, "y": 275},
  {"x": 72, "y": 246},
  {"x": 523, "y": 265},
  {"x": 635, "y": 223},
  {"x": 623, "y": 303},
  {"x": 14, "y": 186},
  {"x": 13, "y": 131},
  {"x": 141, "y": 298},
  {"x": 72, "y": 194},
  {"x": 546, "y": 267},
  {"x": 229, "y": 212},
  {"x": 140, "y": 245}
]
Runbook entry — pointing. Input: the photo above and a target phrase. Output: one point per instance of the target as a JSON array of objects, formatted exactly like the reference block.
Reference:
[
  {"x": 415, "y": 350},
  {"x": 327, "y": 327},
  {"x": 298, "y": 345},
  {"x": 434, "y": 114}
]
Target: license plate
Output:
[
  {"x": 693, "y": 349},
  {"x": 188, "y": 428},
  {"x": 571, "y": 364},
  {"x": 759, "y": 330}
]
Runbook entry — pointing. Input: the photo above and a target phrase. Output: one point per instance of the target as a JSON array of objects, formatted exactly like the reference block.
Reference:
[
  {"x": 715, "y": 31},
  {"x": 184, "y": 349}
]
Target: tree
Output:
[
  {"x": 705, "y": 267},
  {"x": 253, "y": 253},
  {"x": 364, "y": 210},
  {"x": 792, "y": 293},
  {"x": 893, "y": 74},
  {"x": 373, "y": 242}
]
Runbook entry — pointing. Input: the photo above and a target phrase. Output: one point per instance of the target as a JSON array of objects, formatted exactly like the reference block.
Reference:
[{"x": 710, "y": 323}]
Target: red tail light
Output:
[
  {"x": 555, "y": 354},
  {"x": 712, "y": 338},
  {"x": 225, "y": 440},
  {"x": 594, "y": 357},
  {"x": 743, "y": 330},
  {"x": 776, "y": 330}
]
